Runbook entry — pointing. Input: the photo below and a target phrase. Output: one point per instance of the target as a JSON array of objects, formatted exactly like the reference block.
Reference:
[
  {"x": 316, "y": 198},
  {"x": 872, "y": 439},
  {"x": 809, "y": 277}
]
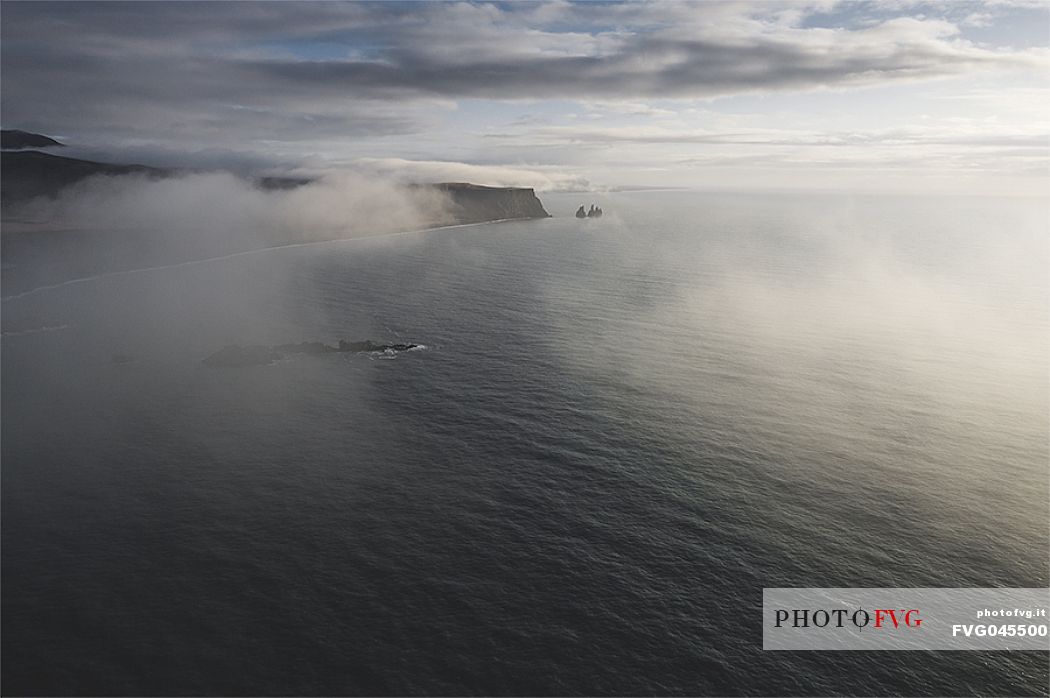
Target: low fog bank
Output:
[
  {"x": 212, "y": 205},
  {"x": 103, "y": 282},
  {"x": 542, "y": 179},
  {"x": 891, "y": 344},
  {"x": 146, "y": 220}
]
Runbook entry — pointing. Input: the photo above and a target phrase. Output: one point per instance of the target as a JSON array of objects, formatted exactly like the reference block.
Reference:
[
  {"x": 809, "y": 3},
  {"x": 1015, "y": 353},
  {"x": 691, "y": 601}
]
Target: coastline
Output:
[{"x": 244, "y": 253}]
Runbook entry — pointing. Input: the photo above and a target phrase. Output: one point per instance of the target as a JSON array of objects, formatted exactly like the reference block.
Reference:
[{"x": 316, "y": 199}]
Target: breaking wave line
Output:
[{"x": 232, "y": 255}]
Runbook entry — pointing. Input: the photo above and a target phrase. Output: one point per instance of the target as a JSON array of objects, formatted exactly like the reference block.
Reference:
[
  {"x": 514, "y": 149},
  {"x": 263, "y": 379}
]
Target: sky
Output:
[{"x": 899, "y": 95}]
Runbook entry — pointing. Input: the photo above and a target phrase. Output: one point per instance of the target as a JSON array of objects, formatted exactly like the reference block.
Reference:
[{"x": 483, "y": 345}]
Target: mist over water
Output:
[
  {"x": 619, "y": 432},
  {"x": 131, "y": 221}
]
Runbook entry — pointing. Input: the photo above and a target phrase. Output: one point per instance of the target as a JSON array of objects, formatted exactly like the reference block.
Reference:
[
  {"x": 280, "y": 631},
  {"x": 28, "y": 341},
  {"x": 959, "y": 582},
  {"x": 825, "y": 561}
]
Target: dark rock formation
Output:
[
  {"x": 259, "y": 355},
  {"x": 472, "y": 203},
  {"x": 581, "y": 212},
  {"x": 369, "y": 346},
  {"x": 281, "y": 183},
  {"x": 18, "y": 140}
]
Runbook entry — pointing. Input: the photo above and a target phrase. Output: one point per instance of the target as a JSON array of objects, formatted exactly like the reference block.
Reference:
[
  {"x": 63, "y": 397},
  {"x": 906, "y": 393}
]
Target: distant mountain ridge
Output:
[
  {"x": 26, "y": 175},
  {"x": 13, "y": 139}
]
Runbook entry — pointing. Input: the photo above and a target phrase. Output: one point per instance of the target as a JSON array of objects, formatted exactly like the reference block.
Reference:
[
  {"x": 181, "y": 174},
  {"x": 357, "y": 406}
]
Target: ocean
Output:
[{"x": 617, "y": 433}]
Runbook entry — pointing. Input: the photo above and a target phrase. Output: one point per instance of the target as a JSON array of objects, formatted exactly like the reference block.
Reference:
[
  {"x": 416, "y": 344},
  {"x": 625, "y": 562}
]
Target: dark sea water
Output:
[{"x": 618, "y": 433}]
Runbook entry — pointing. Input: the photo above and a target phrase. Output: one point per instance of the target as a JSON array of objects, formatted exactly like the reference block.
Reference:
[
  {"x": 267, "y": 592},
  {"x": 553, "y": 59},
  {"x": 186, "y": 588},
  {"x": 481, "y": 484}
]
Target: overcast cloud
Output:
[{"x": 288, "y": 82}]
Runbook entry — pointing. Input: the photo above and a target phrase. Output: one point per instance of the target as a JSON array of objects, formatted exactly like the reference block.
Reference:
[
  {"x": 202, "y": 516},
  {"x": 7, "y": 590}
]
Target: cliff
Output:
[
  {"x": 473, "y": 203},
  {"x": 27, "y": 174}
]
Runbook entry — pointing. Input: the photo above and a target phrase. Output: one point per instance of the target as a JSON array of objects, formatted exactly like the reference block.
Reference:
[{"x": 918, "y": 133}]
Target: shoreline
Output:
[{"x": 244, "y": 253}]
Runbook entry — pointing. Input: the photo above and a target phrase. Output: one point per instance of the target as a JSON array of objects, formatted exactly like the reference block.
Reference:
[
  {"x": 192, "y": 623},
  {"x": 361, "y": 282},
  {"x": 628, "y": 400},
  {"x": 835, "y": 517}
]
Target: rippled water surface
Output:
[{"x": 619, "y": 432}]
